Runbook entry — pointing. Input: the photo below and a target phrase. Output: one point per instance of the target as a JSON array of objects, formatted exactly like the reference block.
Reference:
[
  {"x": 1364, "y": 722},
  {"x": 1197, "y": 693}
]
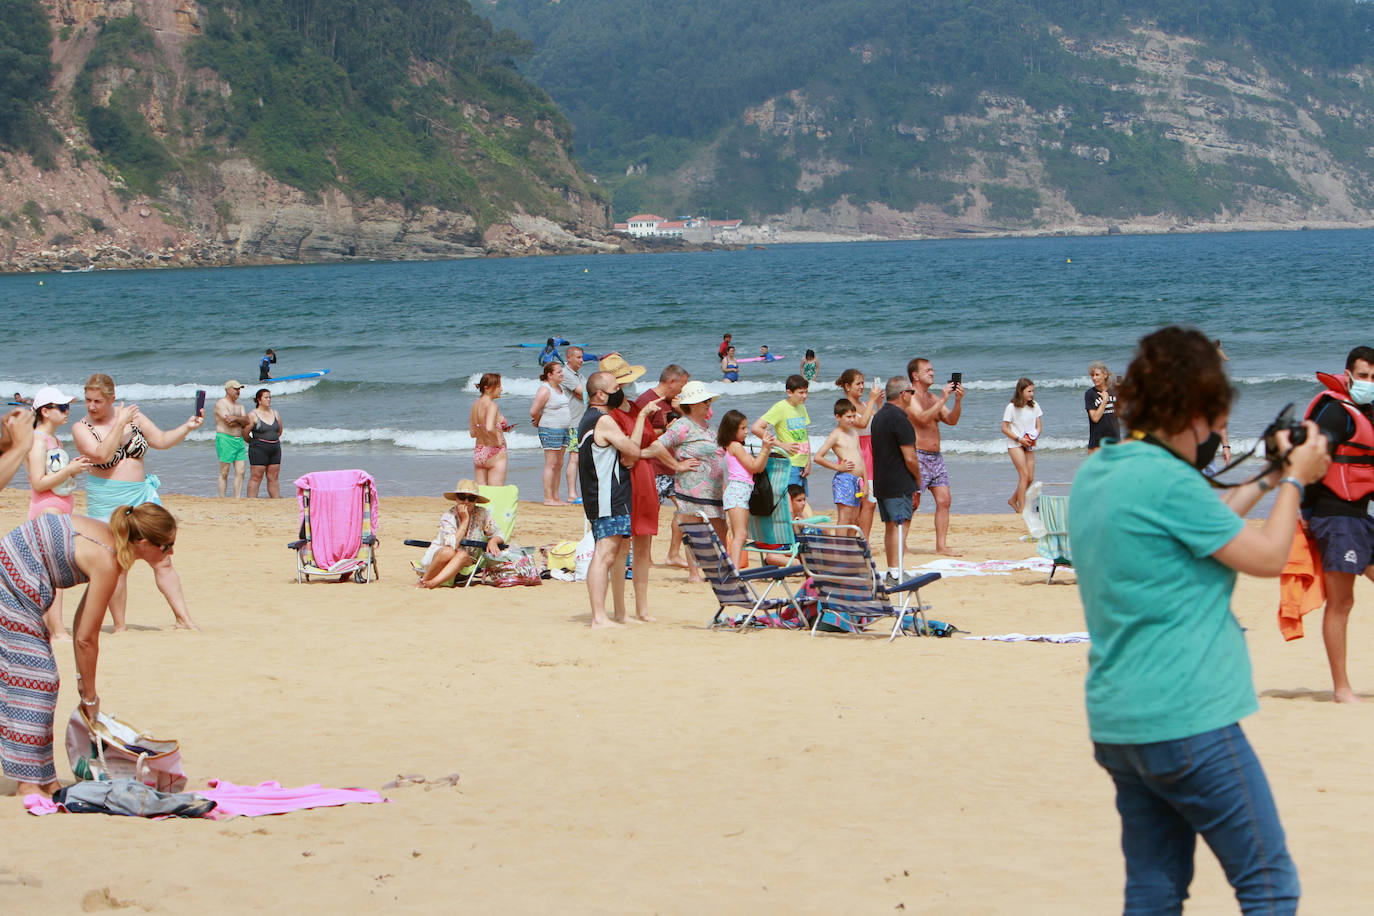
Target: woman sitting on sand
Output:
[
  {"x": 464, "y": 522},
  {"x": 1157, "y": 550},
  {"x": 115, "y": 440},
  {"x": 488, "y": 428},
  {"x": 52, "y": 479},
  {"x": 53, "y": 552}
]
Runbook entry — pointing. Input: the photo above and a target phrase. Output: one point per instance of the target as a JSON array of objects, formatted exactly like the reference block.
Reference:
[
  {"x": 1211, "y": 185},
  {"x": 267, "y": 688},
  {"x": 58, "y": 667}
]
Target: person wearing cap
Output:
[
  {"x": 606, "y": 490},
  {"x": 230, "y": 422},
  {"x": 697, "y": 487},
  {"x": 52, "y": 478},
  {"x": 447, "y": 553},
  {"x": 16, "y": 434}
]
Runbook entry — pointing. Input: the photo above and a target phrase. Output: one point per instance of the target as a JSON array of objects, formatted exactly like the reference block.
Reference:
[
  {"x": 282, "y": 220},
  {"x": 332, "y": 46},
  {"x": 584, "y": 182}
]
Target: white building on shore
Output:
[{"x": 691, "y": 228}]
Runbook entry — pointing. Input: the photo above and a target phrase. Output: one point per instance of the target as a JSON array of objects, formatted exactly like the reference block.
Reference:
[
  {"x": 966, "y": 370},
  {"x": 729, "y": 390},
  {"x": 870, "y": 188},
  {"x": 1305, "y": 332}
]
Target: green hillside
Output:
[{"x": 883, "y": 93}]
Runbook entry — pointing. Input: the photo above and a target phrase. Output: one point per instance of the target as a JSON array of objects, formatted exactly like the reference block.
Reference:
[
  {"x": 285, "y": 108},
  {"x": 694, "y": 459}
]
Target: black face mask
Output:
[
  {"x": 617, "y": 397},
  {"x": 1207, "y": 450}
]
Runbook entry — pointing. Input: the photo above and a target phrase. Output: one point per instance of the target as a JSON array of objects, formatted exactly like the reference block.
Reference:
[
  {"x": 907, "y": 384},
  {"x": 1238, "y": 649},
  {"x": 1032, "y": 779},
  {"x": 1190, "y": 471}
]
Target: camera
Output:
[{"x": 1297, "y": 434}]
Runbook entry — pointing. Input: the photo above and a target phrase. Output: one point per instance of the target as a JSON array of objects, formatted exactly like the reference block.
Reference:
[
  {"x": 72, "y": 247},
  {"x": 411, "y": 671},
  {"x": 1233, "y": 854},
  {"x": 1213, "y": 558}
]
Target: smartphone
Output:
[
  {"x": 956, "y": 378},
  {"x": 200, "y": 402}
]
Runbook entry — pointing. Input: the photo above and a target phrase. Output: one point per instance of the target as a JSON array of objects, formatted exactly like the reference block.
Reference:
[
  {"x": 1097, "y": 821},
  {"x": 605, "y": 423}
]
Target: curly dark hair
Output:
[{"x": 1175, "y": 375}]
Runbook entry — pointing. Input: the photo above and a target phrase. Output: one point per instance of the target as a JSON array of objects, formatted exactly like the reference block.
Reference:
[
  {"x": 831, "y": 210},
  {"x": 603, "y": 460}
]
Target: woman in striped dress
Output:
[{"x": 48, "y": 553}]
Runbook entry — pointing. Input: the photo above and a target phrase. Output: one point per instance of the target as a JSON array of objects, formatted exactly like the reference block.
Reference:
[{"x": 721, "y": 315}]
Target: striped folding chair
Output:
[
  {"x": 772, "y": 533},
  {"x": 736, "y": 589},
  {"x": 1054, "y": 545},
  {"x": 849, "y": 587}
]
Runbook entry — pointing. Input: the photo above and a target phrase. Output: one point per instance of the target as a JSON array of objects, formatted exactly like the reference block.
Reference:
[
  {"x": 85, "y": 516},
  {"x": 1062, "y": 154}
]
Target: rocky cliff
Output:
[{"x": 217, "y": 204}]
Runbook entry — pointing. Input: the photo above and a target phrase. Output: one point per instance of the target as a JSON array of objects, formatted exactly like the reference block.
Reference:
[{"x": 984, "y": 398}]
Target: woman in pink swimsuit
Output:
[
  {"x": 488, "y": 428},
  {"x": 52, "y": 479}
]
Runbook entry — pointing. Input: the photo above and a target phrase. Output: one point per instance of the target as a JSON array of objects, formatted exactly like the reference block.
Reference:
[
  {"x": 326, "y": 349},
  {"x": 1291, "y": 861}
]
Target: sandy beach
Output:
[{"x": 659, "y": 769}]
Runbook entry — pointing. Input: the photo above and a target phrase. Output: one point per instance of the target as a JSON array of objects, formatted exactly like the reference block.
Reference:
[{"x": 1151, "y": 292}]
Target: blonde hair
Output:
[
  {"x": 147, "y": 522},
  {"x": 1098, "y": 364},
  {"x": 101, "y": 382}
]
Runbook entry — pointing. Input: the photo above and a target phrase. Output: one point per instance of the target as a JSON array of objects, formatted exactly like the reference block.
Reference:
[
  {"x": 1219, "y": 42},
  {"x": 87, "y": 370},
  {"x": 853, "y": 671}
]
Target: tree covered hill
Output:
[
  {"x": 281, "y": 128},
  {"x": 1008, "y": 112}
]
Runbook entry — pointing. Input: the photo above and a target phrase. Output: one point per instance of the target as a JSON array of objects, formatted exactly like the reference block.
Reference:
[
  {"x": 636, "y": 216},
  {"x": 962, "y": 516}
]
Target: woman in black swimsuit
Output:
[{"x": 264, "y": 446}]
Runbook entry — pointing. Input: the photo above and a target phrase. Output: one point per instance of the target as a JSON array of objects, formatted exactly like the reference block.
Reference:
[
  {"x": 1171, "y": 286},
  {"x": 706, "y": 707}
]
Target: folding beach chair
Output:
[
  {"x": 850, "y": 588},
  {"x": 502, "y": 503},
  {"x": 773, "y": 533},
  {"x": 1047, "y": 519},
  {"x": 736, "y": 589},
  {"x": 339, "y": 524}
]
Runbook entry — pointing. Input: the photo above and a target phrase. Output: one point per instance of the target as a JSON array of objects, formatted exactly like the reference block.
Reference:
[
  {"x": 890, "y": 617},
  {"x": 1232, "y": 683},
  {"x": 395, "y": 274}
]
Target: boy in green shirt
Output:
[{"x": 790, "y": 421}]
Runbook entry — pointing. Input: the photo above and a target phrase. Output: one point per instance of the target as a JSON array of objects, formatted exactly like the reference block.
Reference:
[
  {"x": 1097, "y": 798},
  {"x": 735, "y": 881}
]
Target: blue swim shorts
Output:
[
  {"x": 933, "y": 473},
  {"x": 895, "y": 509},
  {"x": 1346, "y": 542},
  {"x": 611, "y": 526},
  {"x": 795, "y": 476},
  {"x": 844, "y": 488},
  {"x": 553, "y": 438}
]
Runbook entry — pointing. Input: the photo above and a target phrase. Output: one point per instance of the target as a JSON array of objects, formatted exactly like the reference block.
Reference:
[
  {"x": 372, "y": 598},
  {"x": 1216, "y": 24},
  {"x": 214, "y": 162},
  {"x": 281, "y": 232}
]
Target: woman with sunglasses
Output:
[
  {"x": 52, "y": 478},
  {"x": 116, "y": 439},
  {"x": 38, "y": 558},
  {"x": 447, "y": 554}
]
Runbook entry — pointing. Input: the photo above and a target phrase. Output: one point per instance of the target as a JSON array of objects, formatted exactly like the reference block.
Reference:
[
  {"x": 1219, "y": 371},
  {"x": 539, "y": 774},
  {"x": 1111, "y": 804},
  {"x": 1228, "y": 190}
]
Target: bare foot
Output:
[
  {"x": 607, "y": 624},
  {"x": 554, "y": 502},
  {"x": 32, "y": 788},
  {"x": 64, "y": 636},
  {"x": 696, "y": 579},
  {"x": 645, "y": 618},
  {"x": 119, "y": 628},
  {"x": 949, "y": 552},
  {"x": 675, "y": 561},
  {"x": 1345, "y": 695},
  {"x": 187, "y": 624},
  {"x": 1012, "y": 503}
]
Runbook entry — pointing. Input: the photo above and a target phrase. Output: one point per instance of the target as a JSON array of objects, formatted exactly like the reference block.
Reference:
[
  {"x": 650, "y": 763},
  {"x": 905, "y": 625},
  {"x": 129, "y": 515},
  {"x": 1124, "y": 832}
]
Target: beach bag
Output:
[
  {"x": 582, "y": 558},
  {"x": 57, "y": 460},
  {"x": 513, "y": 566},
  {"x": 563, "y": 556},
  {"x": 112, "y": 749},
  {"x": 761, "y": 501}
]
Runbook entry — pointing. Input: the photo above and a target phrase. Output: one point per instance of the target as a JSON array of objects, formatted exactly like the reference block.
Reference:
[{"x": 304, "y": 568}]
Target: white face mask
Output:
[{"x": 1361, "y": 391}]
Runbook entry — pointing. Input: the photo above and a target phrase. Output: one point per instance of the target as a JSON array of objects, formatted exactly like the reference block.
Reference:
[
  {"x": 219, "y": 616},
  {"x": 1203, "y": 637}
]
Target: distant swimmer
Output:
[
  {"x": 729, "y": 365},
  {"x": 265, "y": 365},
  {"x": 724, "y": 345},
  {"x": 550, "y": 352}
]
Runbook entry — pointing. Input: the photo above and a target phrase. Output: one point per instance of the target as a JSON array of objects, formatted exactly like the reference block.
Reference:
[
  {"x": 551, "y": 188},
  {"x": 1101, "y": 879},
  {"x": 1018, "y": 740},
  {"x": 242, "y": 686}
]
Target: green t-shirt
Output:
[
  {"x": 1168, "y": 658},
  {"x": 790, "y": 424}
]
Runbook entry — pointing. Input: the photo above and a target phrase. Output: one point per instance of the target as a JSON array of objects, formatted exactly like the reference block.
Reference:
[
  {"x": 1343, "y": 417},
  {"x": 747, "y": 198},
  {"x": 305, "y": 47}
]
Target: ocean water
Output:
[{"x": 405, "y": 342}]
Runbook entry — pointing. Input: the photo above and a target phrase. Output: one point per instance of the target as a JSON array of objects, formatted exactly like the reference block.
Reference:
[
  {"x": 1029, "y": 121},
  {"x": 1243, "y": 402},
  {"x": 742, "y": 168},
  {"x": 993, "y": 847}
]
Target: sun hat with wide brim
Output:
[
  {"x": 624, "y": 373},
  {"x": 48, "y": 396},
  {"x": 695, "y": 392},
  {"x": 466, "y": 487}
]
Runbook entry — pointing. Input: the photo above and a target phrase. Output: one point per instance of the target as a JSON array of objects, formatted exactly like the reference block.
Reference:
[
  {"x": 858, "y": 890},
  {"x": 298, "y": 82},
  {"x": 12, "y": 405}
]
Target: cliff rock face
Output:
[{"x": 225, "y": 209}]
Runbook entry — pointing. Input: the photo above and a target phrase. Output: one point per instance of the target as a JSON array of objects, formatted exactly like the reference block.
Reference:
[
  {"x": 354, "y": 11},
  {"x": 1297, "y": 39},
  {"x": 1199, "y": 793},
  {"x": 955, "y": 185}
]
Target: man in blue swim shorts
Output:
[{"x": 232, "y": 451}]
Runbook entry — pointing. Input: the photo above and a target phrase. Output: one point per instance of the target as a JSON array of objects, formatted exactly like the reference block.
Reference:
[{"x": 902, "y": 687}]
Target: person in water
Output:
[
  {"x": 729, "y": 365},
  {"x": 265, "y": 365},
  {"x": 550, "y": 352}
]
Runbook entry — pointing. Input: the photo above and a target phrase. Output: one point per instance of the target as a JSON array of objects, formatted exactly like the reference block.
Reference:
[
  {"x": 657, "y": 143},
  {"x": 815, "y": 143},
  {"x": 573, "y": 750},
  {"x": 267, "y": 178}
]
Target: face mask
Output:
[
  {"x": 1207, "y": 450},
  {"x": 1361, "y": 392},
  {"x": 615, "y": 399}
]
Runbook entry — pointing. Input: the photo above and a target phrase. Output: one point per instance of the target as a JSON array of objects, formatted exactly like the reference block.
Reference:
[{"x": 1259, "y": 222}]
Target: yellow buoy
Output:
[
  {"x": 584, "y": 270},
  {"x": 1068, "y": 260},
  {"x": 40, "y": 282}
]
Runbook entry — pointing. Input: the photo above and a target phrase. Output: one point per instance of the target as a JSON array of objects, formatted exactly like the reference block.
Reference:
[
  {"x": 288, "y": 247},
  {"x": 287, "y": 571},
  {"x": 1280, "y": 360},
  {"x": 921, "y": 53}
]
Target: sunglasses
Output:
[
  {"x": 62, "y": 407},
  {"x": 165, "y": 548},
  {"x": 464, "y": 498}
]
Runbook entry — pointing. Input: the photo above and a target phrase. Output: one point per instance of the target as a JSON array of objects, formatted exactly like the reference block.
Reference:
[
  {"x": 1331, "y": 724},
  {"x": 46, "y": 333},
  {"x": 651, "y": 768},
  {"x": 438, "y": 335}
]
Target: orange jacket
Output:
[{"x": 1301, "y": 586}]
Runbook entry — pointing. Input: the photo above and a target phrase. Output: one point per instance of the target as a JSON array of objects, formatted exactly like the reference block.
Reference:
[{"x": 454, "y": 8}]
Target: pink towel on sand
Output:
[
  {"x": 249, "y": 801},
  {"x": 336, "y": 513}
]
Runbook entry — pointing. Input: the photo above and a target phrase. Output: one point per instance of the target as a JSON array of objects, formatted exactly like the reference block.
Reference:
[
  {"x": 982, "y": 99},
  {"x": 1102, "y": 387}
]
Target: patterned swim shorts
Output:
[
  {"x": 553, "y": 438},
  {"x": 737, "y": 493},
  {"x": 933, "y": 473},
  {"x": 611, "y": 526},
  {"x": 482, "y": 455},
  {"x": 845, "y": 488}
]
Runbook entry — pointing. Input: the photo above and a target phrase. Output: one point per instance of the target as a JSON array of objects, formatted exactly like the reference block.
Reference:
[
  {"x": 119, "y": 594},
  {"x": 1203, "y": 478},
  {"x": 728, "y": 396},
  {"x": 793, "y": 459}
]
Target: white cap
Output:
[{"x": 48, "y": 395}]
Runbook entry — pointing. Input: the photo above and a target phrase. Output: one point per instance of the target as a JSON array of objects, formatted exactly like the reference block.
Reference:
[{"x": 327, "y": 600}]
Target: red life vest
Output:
[{"x": 1351, "y": 475}]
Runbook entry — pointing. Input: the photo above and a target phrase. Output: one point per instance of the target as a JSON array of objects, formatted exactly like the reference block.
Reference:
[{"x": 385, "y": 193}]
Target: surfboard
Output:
[
  {"x": 770, "y": 358},
  {"x": 313, "y": 373},
  {"x": 561, "y": 343}
]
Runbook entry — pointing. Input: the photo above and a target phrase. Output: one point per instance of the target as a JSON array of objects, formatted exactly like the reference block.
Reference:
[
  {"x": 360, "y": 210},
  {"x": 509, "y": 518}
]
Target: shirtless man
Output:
[
  {"x": 927, "y": 412},
  {"x": 230, "y": 421}
]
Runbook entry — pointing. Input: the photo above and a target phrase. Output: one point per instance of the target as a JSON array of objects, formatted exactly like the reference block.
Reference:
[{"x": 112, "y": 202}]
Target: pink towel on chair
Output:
[{"x": 336, "y": 513}]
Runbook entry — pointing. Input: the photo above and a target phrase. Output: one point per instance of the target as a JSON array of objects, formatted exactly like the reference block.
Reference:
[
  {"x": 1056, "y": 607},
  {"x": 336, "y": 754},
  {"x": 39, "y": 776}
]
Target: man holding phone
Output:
[
  {"x": 230, "y": 422},
  {"x": 926, "y": 412}
]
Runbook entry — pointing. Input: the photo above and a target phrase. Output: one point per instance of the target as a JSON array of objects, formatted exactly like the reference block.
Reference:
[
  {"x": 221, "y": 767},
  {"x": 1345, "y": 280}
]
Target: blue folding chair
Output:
[
  {"x": 850, "y": 590},
  {"x": 1053, "y": 543},
  {"x": 736, "y": 589}
]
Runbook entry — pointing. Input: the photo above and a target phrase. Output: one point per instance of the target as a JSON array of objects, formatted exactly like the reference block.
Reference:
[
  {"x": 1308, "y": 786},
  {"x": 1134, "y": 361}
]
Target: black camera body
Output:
[{"x": 1297, "y": 434}]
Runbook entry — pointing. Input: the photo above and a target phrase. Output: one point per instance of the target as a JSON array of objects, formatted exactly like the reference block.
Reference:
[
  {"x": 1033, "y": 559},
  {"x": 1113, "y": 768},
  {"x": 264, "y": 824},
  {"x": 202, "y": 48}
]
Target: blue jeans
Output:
[{"x": 1212, "y": 784}]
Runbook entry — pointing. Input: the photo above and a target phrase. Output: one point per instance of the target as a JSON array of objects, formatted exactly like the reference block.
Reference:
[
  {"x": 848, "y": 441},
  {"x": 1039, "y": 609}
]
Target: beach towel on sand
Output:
[{"x": 336, "y": 513}]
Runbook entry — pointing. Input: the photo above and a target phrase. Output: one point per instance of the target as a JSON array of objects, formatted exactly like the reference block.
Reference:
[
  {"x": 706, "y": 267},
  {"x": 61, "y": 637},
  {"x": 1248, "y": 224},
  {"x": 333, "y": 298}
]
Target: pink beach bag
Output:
[{"x": 111, "y": 749}]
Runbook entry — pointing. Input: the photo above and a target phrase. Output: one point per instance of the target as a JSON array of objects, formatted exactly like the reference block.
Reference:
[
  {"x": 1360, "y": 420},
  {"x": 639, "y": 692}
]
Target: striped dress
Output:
[{"x": 35, "y": 559}]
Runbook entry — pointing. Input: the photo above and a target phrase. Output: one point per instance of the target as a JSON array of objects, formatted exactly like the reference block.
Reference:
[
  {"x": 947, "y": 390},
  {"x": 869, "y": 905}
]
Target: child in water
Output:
[{"x": 849, "y": 485}]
